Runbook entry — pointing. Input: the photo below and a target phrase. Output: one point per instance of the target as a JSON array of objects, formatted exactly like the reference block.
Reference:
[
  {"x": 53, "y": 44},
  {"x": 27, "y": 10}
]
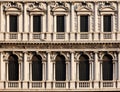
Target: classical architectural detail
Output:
[
  {"x": 61, "y": 45},
  {"x": 13, "y": 7},
  {"x": 84, "y": 8},
  {"x": 36, "y": 7},
  {"x": 60, "y": 7}
]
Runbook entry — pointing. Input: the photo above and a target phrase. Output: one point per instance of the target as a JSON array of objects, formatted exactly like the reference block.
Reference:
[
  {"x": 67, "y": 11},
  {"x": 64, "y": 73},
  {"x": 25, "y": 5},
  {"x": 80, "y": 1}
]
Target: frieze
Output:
[{"x": 61, "y": 46}]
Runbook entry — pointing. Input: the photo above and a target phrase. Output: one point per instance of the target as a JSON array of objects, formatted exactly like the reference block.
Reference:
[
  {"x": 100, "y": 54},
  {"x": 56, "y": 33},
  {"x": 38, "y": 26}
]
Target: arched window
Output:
[
  {"x": 13, "y": 68},
  {"x": 84, "y": 67},
  {"x": 107, "y": 67},
  {"x": 36, "y": 68},
  {"x": 60, "y": 73}
]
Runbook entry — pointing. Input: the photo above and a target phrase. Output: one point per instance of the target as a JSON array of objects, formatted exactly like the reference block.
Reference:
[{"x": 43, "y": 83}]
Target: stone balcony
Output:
[
  {"x": 60, "y": 36},
  {"x": 59, "y": 85}
]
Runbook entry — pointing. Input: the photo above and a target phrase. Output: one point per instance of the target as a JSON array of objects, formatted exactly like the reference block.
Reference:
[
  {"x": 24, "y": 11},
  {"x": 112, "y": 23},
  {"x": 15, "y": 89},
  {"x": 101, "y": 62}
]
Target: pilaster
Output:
[
  {"x": 49, "y": 71},
  {"x": 26, "y": 71},
  {"x": 73, "y": 72},
  {"x": 96, "y": 21},
  {"x": 97, "y": 71}
]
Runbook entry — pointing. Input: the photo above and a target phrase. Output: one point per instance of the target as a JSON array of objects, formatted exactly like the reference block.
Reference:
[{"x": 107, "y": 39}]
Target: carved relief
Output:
[
  {"x": 107, "y": 7},
  {"x": 83, "y": 8},
  {"x": 15, "y": 7},
  {"x": 112, "y": 53},
  {"x": 60, "y": 7},
  {"x": 36, "y": 7},
  {"x": 7, "y": 54},
  {"x": 31, "y": 54}
]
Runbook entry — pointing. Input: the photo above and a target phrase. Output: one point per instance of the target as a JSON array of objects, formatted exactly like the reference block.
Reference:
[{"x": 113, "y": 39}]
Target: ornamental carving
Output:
[
  {"x": 59, "y": 7},
  {"x": 83, "y": 7},
  {"x": 36, "y": 7},
  {"x": 31, "y": 54},
  {"x": 13, "y": 6},
  {"x": 65, "y": 54},
  {"x": 107, "y": 7},
  {"x": 112, "y": 53},
  {"x": 7, "y": 54}
]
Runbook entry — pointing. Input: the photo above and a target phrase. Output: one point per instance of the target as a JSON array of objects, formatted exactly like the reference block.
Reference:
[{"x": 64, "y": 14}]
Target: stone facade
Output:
[{"x": 49, "y": 43}]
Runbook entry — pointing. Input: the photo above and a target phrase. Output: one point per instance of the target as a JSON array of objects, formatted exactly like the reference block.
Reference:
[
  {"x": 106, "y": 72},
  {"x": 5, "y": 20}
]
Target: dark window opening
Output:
[
  {"x": 107, "y": 23},
  {"x": 60, "y": 24},
  {"x": 13, "y": 68},
  {"x": 84, "y": 68},
  {"x": 60, "y": 68},
  {"x": 37, "y": 23},
  {"x": 84, "y": 23},
  {"x": 13, "y": 23},
  {"x": 107, "y": 67},
  {"x": 36, "y": 68}
]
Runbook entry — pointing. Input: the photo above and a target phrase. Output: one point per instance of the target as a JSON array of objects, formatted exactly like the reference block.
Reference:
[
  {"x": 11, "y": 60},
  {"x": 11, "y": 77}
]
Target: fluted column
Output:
[
  {"x": 2, "y": 69},
  {"x": 97, "y": 71},
  {"x": 26, "y": 71},
  {"x": 49, "y": 71}
]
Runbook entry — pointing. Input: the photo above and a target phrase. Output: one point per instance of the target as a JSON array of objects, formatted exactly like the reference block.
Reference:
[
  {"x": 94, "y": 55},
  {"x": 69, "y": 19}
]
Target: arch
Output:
[
  {"x": 107, "y": 67},
  {"x": 84, "y": 67},
  {"x": 13, "y": 68},
  {"x": 60, "y": 67},
  {"x": 36, "y": 68}
]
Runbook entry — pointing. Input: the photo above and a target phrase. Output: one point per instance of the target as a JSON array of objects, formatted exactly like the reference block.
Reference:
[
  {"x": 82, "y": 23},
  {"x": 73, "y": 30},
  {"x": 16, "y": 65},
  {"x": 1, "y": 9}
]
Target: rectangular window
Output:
[
  {"x": 107, "y": 23},
  {"x": 84, "y": 23},
  {"x": 13, "y": 23},
  {"x": 37, "y": 23},
  {"x": 60, "y": 24}
]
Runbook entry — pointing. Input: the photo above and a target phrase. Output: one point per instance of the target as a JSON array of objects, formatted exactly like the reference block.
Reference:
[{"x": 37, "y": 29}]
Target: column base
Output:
[
  {"x": 48, "y": 84},
  {"x": 96, "y": 84},
  {"x": 72, "y": 84}
]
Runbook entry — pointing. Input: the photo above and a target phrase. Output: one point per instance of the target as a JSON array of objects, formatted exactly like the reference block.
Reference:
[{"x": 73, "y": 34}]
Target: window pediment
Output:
[
  {"x": 13, "y": 7},
  {"x": 59, "y": 8},
  {"x": 83, "y": 9},
  {"x": 34, "y": 8},
  {"x": 110, "y": 8}
]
